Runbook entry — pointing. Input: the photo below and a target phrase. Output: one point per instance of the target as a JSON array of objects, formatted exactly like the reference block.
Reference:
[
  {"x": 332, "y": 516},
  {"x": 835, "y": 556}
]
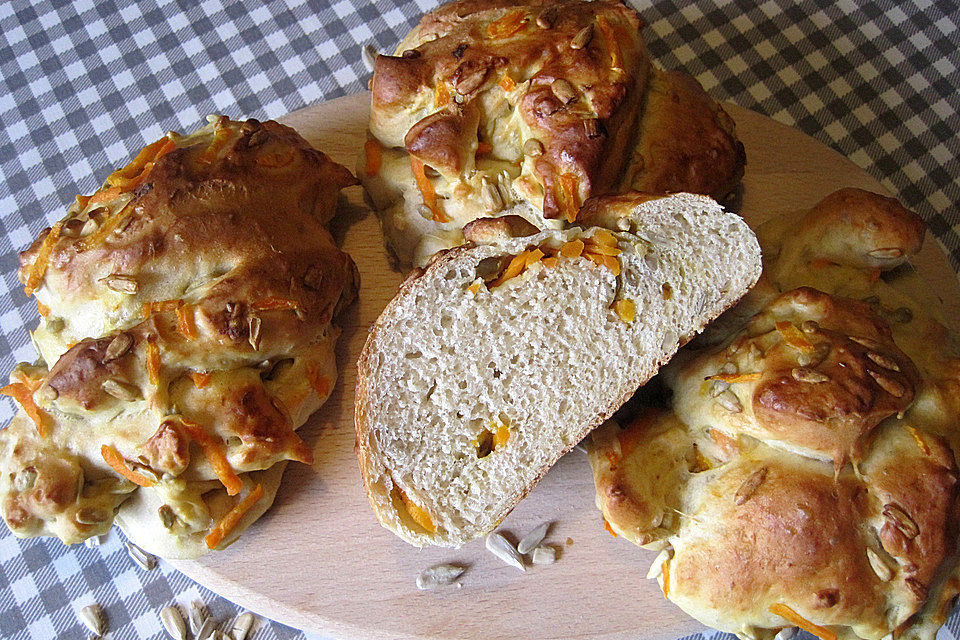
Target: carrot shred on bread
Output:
[
  {"x": 228, "y": 523},
  {"x": 23, "y": 394},
  {"x": 213, "y": 450},
  {"x": 795, "y": 618},
  {"x": 116, "y": 461}
]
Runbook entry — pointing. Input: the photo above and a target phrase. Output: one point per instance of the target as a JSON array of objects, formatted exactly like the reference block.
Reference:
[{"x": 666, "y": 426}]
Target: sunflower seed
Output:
[
  {"x": 729, "y": 368},
  {"x": 205, "y": 630},
  {"x": 490, "y": 195},
  {"x": 500, "y": 547},
  {"x": 591, "y": 126},
  {"x": 241, "y": 626},
  {"x": 533, "y": 148},
  {"x": 869, "y": 343},
  {"x": 788, "y": 633},
  {"x": 121, "y": 283},
  {"x": 438, "y": 576},
  {"x": 544, "y": 555},
  {"x": 563, "y": 90},
  {"x": 167, "y": 517},
  {"x": 805, "y": 374},
  {"x": 547, "y": 17},
  {"x": 369, "y": 56},
  {"x": 92, "y": 618},
  {"x": 253, "y": 327},
  {"x": 899, "y": 519},
  {"x": 884, "y": 361},
  {"x": 750, "y": 486},
  {"x": 144, "y": 560},
  {"x": 820, "y": 352},
  {"x": 718, "y": 386},
  {"x": 533, "y": 539},
  {"x": 656, "y": 567},
  {"x": 582, "y": 38},
  {"x": 90, "y": 515},
  {"x": 889, "y": 385},
  {"x": 25, "y": 480},
  {"x": 173, "y": 622},
  {"x": 729, "y": 401},
  {"x": 878, "y": 565},
  {"x": 197, "y": 615},
  {"x": 121, "y": 390},
  {"x": 425, "y": 211},
  {"x": 886, "y": 253},
  {"x": 118, "y": 346},
  {"x": 94, "y": 541}
]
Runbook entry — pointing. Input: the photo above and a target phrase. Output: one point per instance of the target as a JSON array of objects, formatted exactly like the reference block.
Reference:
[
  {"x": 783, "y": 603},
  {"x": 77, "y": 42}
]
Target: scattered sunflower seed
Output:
[
  {"x": 886, "y": 253},
  {"x": 118, "y": 346},
  {"x": 500, "y": 547},
  {"x": 582, "y": 38},
  {"x": 884, "y": 361},
  {"x": 591, "y": 126},
  {"x": 25, "y": 480},
  {"x": 167, "y": 517},
  {"x": 563, "y": 90},
  {"x": 805, "y": 374},
  {"x": 718, "y": 386},
  {"x": 533, "y": 539},
  {"x": 879, "y": 566},
  {"x": 205, "y": 630},
  {"x": 438, "y": 576},
  {"x": 369, "y": 56},
  {"x": 544, "y": 555},
  {"x": 92, "y": 618},
  {"x": 899, "y": 519},
  {"x": 241, "y": 626},
  {"x": 750, "y": 486},
  {"x": 90, "y": 515},
  {"x": 173, "y": 622},
  {"x": 889, "y": 385},
  {"x": 547, "y": 17},
  {"x": 656, "y": 567},
  {"x": 729, "y": 401},
  {"x": 121, "y": 283},
  {"x": 121, "y": 390},
  {"x": 197, "y": 615},
  {"x": 144, "y": 560},
  {"x": 253, "y": 326}
]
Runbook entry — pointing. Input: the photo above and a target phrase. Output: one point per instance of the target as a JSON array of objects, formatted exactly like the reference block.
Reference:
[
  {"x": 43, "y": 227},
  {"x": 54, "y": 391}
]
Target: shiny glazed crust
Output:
[
  {"x": 187, "y": 310},
  {"x": 805, "y": 472}
]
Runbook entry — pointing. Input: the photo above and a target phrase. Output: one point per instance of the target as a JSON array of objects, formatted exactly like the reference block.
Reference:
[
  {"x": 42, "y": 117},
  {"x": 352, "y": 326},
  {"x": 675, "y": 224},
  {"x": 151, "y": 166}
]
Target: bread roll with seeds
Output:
[
  {"x": 186, "y": 334},
  {"x": 529, "y": 109},
  {"x": 804, "y": 472},
  {"x": 498, "y": 358}
]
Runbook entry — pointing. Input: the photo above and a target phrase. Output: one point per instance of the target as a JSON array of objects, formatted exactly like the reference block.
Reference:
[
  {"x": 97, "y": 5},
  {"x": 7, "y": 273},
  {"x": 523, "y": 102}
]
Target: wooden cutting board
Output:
[{"x": 319, "y": 561}]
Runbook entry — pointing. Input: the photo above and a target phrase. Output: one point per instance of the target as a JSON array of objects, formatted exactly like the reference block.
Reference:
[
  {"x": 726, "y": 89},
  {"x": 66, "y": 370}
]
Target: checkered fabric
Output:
[{"x": 84, "y": 84}]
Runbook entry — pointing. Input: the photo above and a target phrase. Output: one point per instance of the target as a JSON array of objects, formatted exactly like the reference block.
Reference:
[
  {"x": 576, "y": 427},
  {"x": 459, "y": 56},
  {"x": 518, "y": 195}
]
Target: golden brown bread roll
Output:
[
  {"x": 530, "y": 109},
  {"x": 804, "y": 472},
  {"x": 186, "y": 334}
]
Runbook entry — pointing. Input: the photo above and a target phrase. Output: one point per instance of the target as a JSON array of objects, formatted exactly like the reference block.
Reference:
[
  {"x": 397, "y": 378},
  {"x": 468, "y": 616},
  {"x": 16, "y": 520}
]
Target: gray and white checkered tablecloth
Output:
[{"x": 84, "y": 84}]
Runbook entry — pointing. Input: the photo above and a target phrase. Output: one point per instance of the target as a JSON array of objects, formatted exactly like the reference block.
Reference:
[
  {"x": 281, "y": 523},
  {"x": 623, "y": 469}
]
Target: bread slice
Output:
[{"x": 498, "y": 358}]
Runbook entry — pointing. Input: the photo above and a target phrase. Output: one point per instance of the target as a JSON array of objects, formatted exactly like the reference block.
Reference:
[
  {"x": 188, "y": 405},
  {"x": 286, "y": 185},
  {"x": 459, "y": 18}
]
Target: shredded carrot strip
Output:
[
  {"x": 213, "y": 450},
  {"x": 550, "y": 262},
  {"x": 606, "y": 525},
  {"x": 603, "y": 249},
  {"x": 138, "y": 166},
  {"x": 320, "y": 383},
  {"x": 507, "y": 25},
  {"x": 501, "y": 436},
  {"x": 602, "y": 237},
  {"x": 474, "y": 288},
  {"x": 515, "y": 268},
  {"x": 39, "y": 267},
  {"x": 735, "y": 377},
  {"x": 787, "y": 613},
  {"x": 185, "y": 321},
  {"x": 793, "y": 336},
  {"x": 666, "y": 579},
  {"x": 611, "y": 39},
  {"x": 200, "y": 379},
  {"x": 610, "y": 262},
  {"x": 373, "y": 157},
  {"x": 153, "y": 360},
  {"x": 160, "y": 306},
  {"x": 484, "y": 148},
  {"x": 113, "y": 458},
  {"x": 275, "y": 303},
  {"x": 105, "y": 195},
  {"x": 626, "y": 309},
  {"x": 22, "y": 393},
  {"x": 506, "y": 83},
  {"x": 228, "y": 522},
  {"x": 920, "y": 441},
  {"x": 441, "y": 96},
  {"x": 532, "y": 256},
  {"x": 569, "y": 196},
  {"x": 420, "y": 515},
  {"x": 43, "y": 309},
  {"x": 572, "y": 249},
  {"x": 426, "y": 190},
  {"x": 216, "y": 145}
]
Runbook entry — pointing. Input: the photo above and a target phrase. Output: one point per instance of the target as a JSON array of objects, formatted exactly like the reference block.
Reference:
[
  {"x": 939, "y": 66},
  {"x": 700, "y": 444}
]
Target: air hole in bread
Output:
[
  {"x": 233, "y": 442},
  {"x": 667, "y": 291},
  {"x": 413, "y": 355},
  {"x": 452, "y": 274},
  {"x": 484, "y": 443}
]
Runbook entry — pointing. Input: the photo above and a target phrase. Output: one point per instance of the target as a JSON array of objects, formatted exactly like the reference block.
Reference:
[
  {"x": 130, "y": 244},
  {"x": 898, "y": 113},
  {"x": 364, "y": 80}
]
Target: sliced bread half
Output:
[{"x": 498, "y": 358}]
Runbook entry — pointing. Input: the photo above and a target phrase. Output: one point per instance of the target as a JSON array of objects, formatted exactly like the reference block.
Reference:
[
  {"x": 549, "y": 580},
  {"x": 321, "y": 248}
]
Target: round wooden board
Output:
[{"x": 320, "y": 562}]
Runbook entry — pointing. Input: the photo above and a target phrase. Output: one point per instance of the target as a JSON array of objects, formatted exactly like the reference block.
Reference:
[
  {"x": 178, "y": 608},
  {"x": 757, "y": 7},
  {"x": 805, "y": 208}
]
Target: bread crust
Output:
[{"x": 186, "y": 334}]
